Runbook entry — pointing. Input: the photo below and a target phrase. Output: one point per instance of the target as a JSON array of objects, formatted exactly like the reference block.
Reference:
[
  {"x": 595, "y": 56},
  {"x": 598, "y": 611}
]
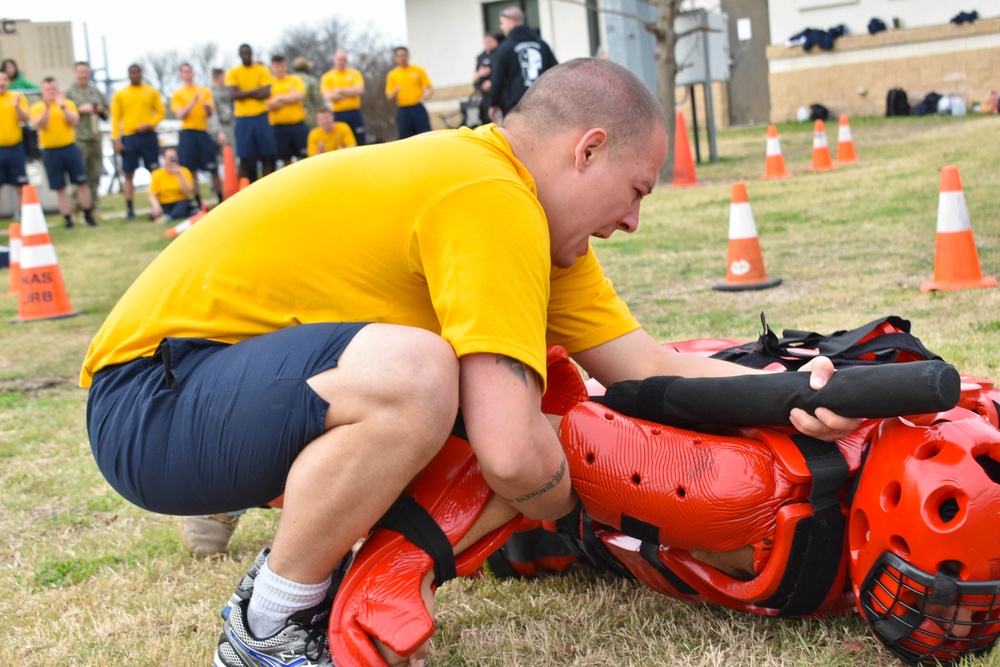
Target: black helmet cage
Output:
[{"x": 894, "y": 599}]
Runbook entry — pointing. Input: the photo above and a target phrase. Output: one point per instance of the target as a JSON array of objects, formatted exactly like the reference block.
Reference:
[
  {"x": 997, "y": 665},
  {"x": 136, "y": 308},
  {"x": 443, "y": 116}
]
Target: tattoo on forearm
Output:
[
  {"x": 515, "y": 366},
  {"x": 548, "y": 486}
]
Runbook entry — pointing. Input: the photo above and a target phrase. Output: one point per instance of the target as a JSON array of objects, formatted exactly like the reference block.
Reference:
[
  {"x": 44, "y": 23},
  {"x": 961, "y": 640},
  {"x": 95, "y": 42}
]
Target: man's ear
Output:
[{"x": 592, "y": 143}]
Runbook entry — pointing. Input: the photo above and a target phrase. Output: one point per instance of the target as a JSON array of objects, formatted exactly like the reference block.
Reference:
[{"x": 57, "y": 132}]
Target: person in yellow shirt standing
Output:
[
  {"x": 171, "y": 188},
  {"x": 409, "y": 87},
  {"x": 287, "y": 113},
  {"x": 250, "y": 86},
  {"x": 136, "y": 110},
  {"x": 329, "y": 135},
  {"x": 13, "y": 112},
  {"x": 194, "y": 105},
  {"x": 343, "y": 87},
  {"x": 55, "y": 117}
]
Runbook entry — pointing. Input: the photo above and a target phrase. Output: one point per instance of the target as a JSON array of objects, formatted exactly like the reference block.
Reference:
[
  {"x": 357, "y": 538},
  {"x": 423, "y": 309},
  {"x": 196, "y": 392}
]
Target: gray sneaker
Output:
[
  {"x": 301, "y": 643},
  {"x": 245, "y": 588}
]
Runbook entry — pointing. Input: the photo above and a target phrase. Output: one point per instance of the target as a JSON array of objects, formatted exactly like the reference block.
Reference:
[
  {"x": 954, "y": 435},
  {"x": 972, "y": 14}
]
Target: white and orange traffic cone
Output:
[
  {"x": 43, "y": 292},
  {"x": 845, "y": 142},
  {"x": 182, "y": 227},
  {"x": 745, "y": 264},
  {"x": 684, "y": 173},
  {"x": 956, "y": 262},
  {"x": 821, "y": 150},
  {"x": 230, "y": 178},
  {"x": 14, "y": 238},
  {"x": 774, "y": 166}
]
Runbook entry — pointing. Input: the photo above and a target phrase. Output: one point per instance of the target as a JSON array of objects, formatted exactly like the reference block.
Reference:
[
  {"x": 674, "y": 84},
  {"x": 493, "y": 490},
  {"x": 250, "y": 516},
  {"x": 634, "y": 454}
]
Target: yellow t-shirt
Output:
[
  {"x": 248, "y": 77},
  {"x": 197, "y": 118},
  {"x": 411, "y": 81},
  {"x": 10, "y": 124},
  {"x": 442, "y": 232},
  {"x": 132, "y": 106},
  {"x": 290, "y": 114},
  {"x": 337, "y": 79},
  {"x": 341, "y": 136},
  {"x": 167, "y": 186},
  {"x": 58, "y": 132}
]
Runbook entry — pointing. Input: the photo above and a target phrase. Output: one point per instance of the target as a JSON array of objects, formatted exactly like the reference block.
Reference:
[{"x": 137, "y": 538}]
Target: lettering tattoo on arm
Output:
[
  {"x": 550, "y": 484},
  {"x": 515, "y": 366}
]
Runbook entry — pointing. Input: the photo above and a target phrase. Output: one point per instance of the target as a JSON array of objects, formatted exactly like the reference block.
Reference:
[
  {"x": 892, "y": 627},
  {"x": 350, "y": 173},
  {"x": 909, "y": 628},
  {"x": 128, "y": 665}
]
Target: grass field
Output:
[{"x": 87, "y": 579}]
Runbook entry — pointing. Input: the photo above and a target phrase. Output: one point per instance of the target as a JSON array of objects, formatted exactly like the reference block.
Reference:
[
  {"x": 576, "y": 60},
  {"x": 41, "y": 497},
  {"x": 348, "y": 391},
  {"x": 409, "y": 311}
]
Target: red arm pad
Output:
[{"x": 380, "y": 595}]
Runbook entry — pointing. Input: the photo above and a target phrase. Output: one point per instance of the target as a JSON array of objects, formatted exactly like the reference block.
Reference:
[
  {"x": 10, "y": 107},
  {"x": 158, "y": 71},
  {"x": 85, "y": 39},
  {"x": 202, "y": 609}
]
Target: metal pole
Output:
[
  {"x": 709, "y": 106},
  {"x": 86, "y": 41},
  {"x": 694, "y": 124}
]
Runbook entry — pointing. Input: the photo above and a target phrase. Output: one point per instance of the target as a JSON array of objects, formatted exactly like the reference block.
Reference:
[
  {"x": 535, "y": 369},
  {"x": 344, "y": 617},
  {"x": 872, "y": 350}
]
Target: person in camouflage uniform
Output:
[
  {"x": 93, "y": 108},
  {"x": 222, "y": 124},
  {"x": 314, "y": 98}
]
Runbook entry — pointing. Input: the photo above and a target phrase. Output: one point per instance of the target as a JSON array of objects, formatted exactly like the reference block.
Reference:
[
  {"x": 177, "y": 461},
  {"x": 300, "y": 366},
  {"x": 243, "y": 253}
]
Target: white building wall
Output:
[{"x": 790, "y": 17}]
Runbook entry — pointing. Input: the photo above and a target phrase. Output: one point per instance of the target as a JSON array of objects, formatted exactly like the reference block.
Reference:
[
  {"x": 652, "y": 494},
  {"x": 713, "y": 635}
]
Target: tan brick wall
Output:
[
  {"x": 720, "y": 105},
  {"x": 860, "y": 88}
]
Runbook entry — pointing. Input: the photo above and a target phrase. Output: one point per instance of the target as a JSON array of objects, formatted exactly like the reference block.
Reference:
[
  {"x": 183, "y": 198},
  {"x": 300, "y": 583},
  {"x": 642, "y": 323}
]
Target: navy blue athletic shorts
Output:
[
  {"x": 412, "y": 120},
  {"x": 197, "y": 151},
  {"x": 13, "y": 163},
  {"x": 203, "y": 427},
  {"x": 61, "y": 161},
  {"x": 292, "y": 141},
  {"x": 354, "y": 118},
  {"x": 145, "y": 146},
  {"x": 255, "y": 137}
]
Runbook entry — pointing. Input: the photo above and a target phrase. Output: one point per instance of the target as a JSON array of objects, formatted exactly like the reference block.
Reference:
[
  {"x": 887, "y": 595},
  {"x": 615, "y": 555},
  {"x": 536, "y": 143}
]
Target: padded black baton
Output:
[{"x": 875, "y": 392}]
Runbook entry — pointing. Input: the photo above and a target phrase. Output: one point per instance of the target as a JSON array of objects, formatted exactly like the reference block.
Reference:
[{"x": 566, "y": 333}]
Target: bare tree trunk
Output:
[{"x": 666, "y": 76}]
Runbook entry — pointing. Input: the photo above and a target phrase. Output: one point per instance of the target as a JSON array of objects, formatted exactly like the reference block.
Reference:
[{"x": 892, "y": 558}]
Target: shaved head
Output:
[{"x": 588, "y": 93}]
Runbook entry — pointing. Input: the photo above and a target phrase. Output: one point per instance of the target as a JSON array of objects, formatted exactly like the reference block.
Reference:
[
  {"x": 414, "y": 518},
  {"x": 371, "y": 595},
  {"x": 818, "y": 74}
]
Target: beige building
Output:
[{"x": 922, "y": 52}]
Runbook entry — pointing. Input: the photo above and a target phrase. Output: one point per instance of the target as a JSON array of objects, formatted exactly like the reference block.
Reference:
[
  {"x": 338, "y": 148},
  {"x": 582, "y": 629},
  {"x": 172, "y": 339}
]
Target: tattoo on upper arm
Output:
[
  {"x": 544, "y": 488},
  {"x": 515, "y": 366}
]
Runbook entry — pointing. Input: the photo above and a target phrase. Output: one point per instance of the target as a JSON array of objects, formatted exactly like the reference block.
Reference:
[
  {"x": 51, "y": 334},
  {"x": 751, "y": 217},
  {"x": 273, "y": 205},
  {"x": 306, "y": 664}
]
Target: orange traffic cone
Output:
[
  {"x": 14, "y": 238},
  {"x": 43, "y": 293},
  {"x": 745, "y": 265},
  {"x": 956, "y": 262},
  {"x": 244, "y": 183},
  {"x": 821, "y": 150},
  {"x": 182, "y": 227},
  {"x": 230, "y": 178},
  {"x": 845, "y": 143},
  {"x": 684, "y": 173},
  {"x": 774, "y": 161}
]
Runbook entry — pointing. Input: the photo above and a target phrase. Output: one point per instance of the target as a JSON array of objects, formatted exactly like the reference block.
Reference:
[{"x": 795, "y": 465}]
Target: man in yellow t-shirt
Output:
[
  {"x": 194, "y": 105},
  {"x": 13, "y": 112},
  {"x": 342, "y": 87},
  {"x": 329, "y": 135},
  {"x": 286, "y": 112},
  {"x": 55, "y": 117},
  {"x": 249, "y": 86},
  {"x": 171, "y": 188},
  {"x": 409, "y": 87},
  {"x": 136, "y": 110},
  {"x": 315, "y": 335}
]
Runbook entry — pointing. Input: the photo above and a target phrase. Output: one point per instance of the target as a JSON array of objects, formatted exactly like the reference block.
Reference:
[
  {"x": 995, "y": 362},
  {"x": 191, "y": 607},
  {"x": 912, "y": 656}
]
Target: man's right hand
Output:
[{"x": 119, "y": 146}]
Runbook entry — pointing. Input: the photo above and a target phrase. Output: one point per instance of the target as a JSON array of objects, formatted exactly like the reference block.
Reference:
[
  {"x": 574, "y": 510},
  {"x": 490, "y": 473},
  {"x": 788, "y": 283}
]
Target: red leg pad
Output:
[{"x": 380, "y": 596}]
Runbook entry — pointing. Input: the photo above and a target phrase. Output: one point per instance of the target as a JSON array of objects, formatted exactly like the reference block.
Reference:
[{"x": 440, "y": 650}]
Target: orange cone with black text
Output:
[
  {"x": 956, "y": 261},
  {"x": 182, "y": 227},
  {"x": 684, "y": 173},
  {"x": 745, "y": 264},
  {"x": 845, "y": 142},
  {"x": 14, "y": 238},
  {"x": 43, "y": 292},
  {"x": 230, "y": 178},
  {"x": 774, "y": 166},
  {"x": 821, "y": 150}
]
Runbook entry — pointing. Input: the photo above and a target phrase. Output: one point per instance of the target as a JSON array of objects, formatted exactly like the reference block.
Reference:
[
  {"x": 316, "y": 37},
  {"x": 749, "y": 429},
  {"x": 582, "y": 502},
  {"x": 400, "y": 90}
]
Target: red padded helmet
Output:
[{"x": 924, "y": 538}]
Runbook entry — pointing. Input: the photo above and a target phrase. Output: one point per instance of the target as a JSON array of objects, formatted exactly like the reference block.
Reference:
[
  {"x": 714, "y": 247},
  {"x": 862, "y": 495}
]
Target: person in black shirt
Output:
[{"x": 517, "y": 62}]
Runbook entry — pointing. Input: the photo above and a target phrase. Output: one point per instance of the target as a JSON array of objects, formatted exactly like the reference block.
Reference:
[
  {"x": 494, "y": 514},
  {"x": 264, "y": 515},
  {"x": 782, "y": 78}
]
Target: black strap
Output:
[
  {"x": 651, "y": 552},
  {"x": 409, "y": 518},
  {"x": 818, "y": 543}
]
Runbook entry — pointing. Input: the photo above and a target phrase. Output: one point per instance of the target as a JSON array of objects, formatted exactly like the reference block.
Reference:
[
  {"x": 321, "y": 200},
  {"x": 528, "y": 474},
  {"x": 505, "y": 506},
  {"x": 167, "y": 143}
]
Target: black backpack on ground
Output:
[{"x": 896, "y": 103}]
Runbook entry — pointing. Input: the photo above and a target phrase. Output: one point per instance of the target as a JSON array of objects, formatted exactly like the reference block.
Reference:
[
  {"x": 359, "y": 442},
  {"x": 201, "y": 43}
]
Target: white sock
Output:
[{"x": 275, "y": 599}]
